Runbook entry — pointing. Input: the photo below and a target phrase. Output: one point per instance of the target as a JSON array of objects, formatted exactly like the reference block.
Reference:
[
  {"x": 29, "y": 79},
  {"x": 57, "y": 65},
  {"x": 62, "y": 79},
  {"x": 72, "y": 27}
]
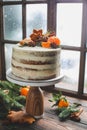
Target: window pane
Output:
[
  {"x": 85, "y": 82},
  {"x": 86, "y": 44},
  {"x": 11, "y": 0},
  {"x": 8, "y": 54},
  {"x": 70, "y": 70},
  {"x": 36, "y": 0},
  {"x": 36, "y": 17},
  {"x": 13, "y": 22},
  {"x": 69, "y": 21}
]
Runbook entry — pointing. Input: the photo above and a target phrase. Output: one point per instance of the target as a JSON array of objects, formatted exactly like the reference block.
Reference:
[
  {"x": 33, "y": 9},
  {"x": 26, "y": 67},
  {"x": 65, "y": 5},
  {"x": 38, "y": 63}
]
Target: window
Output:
[
  {"x": 69, "y": 28},
  {"x": 67, "y": 18},
  {"x": 12, "y": 19},
  {"x": 17, "y": 15},
  {"x": 70, "y": 61},
  {"x": 36, "y": 17}
]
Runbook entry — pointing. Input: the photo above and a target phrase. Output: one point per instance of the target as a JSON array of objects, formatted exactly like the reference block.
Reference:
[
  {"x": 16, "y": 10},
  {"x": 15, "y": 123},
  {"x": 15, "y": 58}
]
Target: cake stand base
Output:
[{"x": 35, "y": 102}]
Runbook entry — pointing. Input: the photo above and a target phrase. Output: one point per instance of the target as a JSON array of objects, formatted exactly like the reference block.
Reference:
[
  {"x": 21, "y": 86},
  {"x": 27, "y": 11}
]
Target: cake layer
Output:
[
  {"x": 34, "y": 74},
  {"x": 32, "y": 54},
  {"x": 34, "y": 66}
]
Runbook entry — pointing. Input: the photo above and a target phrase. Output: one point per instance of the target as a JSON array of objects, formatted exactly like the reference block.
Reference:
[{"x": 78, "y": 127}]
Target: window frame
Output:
[{"x": 51, "y": 25}]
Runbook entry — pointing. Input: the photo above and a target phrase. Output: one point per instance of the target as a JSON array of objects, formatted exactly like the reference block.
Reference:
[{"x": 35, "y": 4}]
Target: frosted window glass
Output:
[
  {"x": 85, "y": 82},
  {"x": 36, "y": 0},
  {"x": 70, "y": 70},
  {"x": 13, "y": 22},
  {"x": 36, "y": 17},
  {"x": 69, "y": 21},
  {"x": 8, "y": 55},
  {"x": 11, "y": 0}
]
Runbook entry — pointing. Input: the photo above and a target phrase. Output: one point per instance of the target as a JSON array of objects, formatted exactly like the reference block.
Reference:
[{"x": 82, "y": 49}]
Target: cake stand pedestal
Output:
[{"x": 35, "y": 100}]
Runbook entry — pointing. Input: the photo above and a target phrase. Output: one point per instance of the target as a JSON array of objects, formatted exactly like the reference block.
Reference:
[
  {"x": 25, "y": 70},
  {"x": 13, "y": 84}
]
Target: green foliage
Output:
[
  {"x": 66, "y": 112},
  {"x": 63, "y": 112},
  {"x": 56, "y": 98},
  {"x": 10, "y": 98}
]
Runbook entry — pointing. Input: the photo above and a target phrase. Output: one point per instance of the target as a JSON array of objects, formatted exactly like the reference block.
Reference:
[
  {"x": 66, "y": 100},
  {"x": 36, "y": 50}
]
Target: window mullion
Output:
[
  {"x": 24, "y": 20},
  {"x": 2, "y": 57},
  {"x": 51, "y": 15},
  {"x": 83, "y": 54},
  {"x": 0, "y": 45}
]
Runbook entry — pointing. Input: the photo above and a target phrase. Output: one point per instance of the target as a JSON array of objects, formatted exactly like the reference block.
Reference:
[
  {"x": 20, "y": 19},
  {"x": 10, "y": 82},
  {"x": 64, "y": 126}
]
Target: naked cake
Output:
[{"x": 37, "y": 57}]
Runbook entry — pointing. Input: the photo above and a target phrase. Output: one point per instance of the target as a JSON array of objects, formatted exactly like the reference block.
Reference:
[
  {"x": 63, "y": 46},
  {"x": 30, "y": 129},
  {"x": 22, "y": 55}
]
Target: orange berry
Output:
[
  {"x": 63, "y": 103},
  {"x": 24, "y": 91},
  {"x": 46, "y": 44},
  {"x": 54, "y": 39}
]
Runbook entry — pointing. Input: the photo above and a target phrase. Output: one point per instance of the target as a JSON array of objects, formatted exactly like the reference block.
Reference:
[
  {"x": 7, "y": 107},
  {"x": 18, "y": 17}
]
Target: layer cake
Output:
[{"x": 35, "y": 62}]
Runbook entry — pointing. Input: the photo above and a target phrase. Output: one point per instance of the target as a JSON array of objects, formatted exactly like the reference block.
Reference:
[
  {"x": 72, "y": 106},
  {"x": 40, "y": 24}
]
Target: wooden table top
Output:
[{"x": 50, "y": 120}]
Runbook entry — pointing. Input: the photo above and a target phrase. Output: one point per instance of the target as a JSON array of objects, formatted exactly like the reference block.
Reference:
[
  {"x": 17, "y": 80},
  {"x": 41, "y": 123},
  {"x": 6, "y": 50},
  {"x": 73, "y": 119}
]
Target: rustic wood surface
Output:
[{"x": 50, "y": 120}]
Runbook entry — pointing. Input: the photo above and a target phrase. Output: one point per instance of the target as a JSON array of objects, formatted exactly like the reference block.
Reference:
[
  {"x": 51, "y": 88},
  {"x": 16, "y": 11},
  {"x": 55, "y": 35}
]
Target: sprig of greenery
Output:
[
  {"x": 10, "y": 100},
  {"x": 66, "y": 112},
  {"x": 56, "y": 98},
  {"x": 63, "y": 112}
]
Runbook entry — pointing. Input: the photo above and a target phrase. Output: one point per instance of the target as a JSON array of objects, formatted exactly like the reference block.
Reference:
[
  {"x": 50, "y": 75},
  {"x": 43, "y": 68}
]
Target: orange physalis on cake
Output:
[
  {"x": 46, "y": 44},
  {"x": 52, "y": 42},
  {"x": 54, "y": 39}
]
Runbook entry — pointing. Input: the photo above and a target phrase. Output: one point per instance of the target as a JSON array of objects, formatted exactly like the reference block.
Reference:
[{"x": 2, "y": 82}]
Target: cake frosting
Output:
[{"x": 35, "y": 62}]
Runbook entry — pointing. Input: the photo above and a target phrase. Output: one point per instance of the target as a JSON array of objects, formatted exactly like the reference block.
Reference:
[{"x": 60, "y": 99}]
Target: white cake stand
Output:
[{"x": 34, "y": 100}]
